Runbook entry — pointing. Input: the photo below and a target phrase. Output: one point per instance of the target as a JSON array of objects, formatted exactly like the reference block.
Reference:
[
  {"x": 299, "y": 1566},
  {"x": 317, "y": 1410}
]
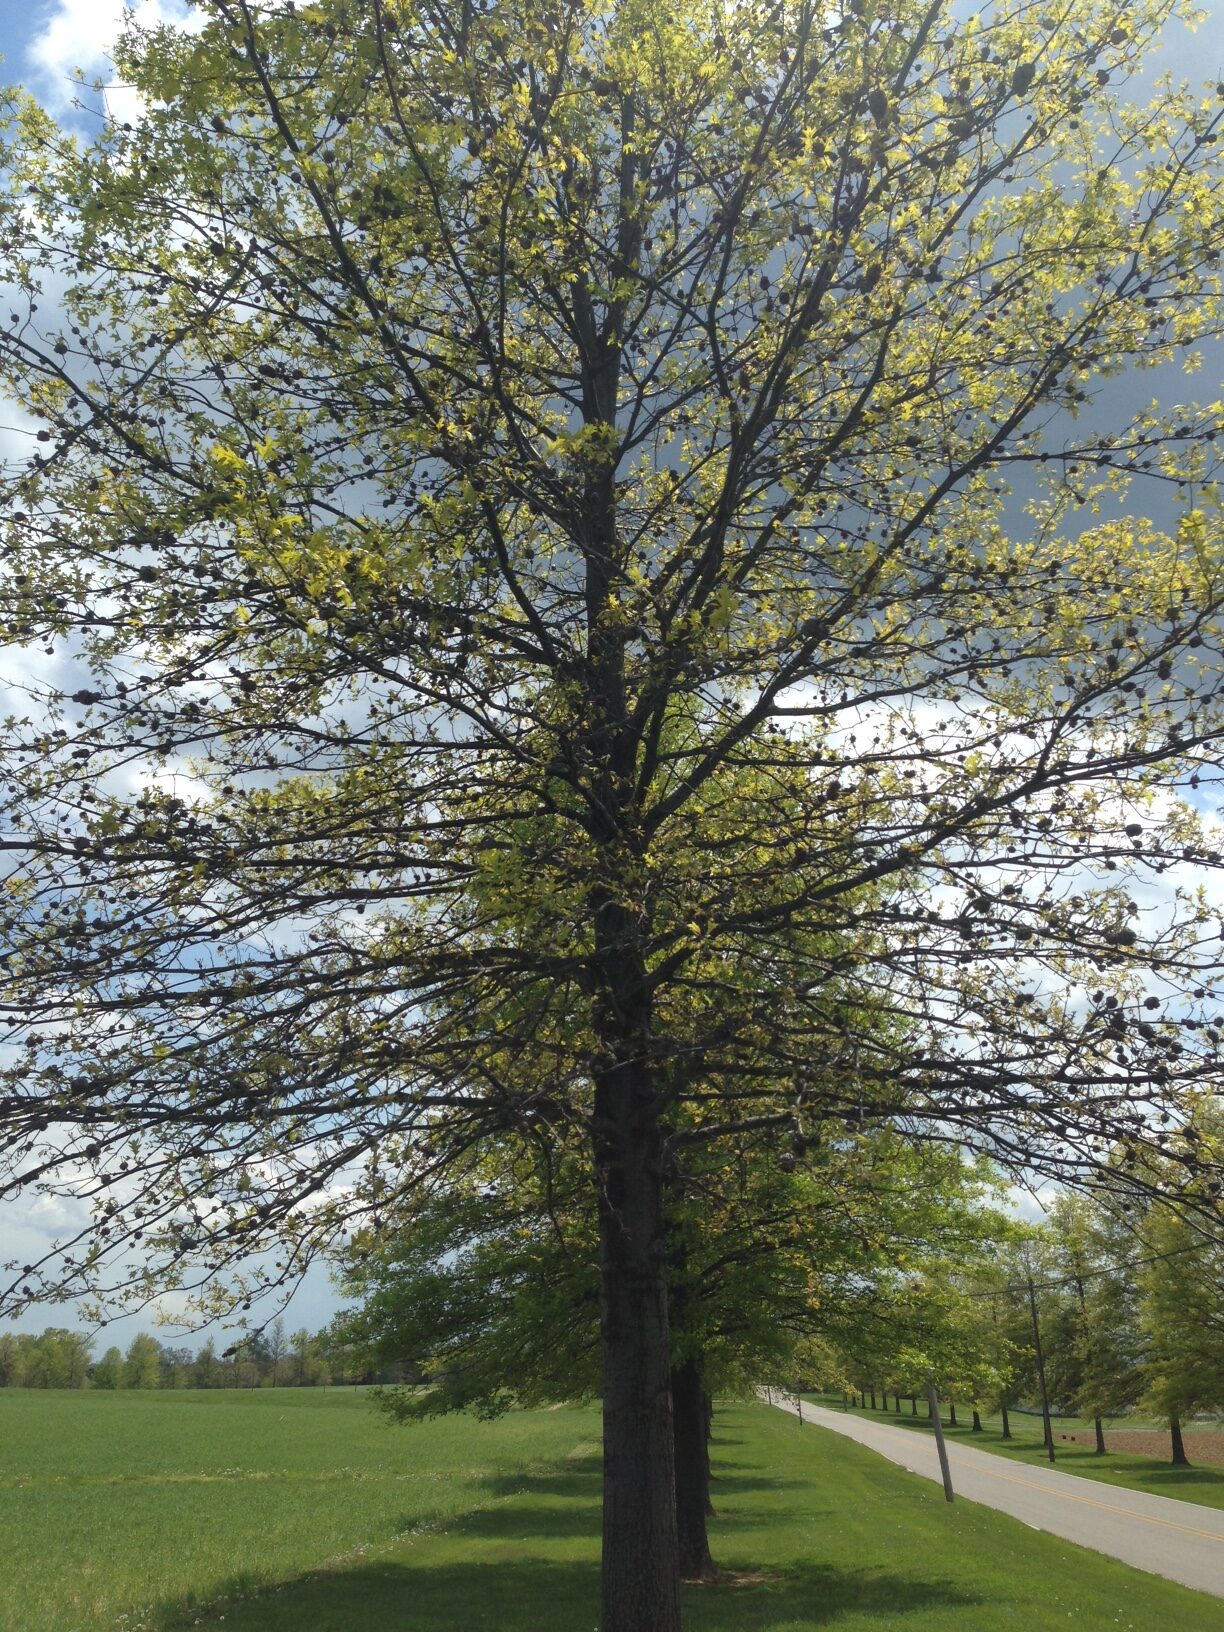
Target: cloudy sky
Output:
[{"x": 43, "y": 43}]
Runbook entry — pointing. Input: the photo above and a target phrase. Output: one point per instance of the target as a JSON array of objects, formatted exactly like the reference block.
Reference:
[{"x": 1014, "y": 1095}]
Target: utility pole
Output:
[
  {"x": 933, "y": 1406},
  {"x": 1041, "y": 1377}
]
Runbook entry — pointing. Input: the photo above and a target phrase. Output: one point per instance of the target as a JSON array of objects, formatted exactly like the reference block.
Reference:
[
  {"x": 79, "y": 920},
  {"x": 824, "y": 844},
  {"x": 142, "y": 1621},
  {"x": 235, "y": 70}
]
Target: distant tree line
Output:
[{"x": 59, "y": 1358}]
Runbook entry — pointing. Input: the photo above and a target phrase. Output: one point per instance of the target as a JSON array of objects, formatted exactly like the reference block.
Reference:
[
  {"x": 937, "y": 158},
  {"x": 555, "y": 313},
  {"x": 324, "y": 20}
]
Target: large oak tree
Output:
[{"x": 612, "y": 510}]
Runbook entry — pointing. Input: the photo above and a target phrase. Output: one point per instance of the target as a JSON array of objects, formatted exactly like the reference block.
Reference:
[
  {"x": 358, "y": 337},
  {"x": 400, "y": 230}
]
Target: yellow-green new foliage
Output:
[
  {"x": 606, "y": 509},
  {"x": 613, "y": 511}
]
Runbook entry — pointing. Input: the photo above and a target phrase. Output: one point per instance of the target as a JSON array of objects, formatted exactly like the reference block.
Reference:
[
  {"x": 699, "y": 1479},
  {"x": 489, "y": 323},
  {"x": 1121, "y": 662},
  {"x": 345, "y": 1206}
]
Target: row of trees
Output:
[
  {"x": 490, "y": 1290},
  {"x": 1129, "y": 1313},
  {"x": 601, "y": 625},
  {"x": 1132, "y": 1317},
  {"x": 60, "y": 1358}
]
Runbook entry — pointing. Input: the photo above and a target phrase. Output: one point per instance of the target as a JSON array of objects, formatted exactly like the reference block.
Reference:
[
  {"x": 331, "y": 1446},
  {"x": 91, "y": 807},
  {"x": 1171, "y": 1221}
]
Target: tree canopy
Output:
[{"x": 603, "y": 514}]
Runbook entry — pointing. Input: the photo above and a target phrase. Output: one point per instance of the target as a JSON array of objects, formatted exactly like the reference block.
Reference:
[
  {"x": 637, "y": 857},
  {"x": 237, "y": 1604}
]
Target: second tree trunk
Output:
[{"x": 692, "y": 1471}]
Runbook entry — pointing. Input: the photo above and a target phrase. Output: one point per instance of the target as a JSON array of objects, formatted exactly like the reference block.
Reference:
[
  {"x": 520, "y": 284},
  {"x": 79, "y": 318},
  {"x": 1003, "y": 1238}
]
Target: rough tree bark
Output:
[
  {"x": 1180, "y": 1459},
  {"x": 692, "y": 1471},
  {"x": 640, "y": 1574},
  {"x": 640, "y": 1585},
  {"x": 640, "y": 1567}
]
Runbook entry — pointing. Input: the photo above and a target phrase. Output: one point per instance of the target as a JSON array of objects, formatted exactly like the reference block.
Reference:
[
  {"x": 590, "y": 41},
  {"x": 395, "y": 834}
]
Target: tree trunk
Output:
[
  {"x": 1180, "y": 1459},
  {"x": 873, "y": 1399},
  {"x": 640, "y": 1581},
  {"x": 707, "y": 1409},
  {"x": 1006, "y": 1422},
  {"x": 692, "y": 1471},
  {"x": 951, "y": 1413},
  {"x": 913, "y": 1405},
  {"x": 640, "y": 1584},
  {"x": 1099, "y": 1430},
  {"x": 977, "y": 1423}
]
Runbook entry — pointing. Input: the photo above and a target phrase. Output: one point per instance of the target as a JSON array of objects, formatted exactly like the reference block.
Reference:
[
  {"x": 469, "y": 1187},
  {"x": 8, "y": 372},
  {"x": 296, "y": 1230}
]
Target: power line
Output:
[{"x": 1086, "y": 1275}]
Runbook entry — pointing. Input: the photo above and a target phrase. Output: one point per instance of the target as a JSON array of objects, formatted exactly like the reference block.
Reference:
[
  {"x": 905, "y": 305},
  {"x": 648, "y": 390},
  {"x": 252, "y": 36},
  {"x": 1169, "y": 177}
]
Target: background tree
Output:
[
  {"x": 1096, "y": 1347},
  {"x": 1181, "y": 1310},
  {"x": 251, "y": 1359},
  {"x": 177, "y": 1366},
  {"x": 58, "y": 1358},
  {"x": 456, "y": 419},
  {"x": 206, "y": 1372},
  {"x": 108, "y": 1371},
  {"x": 1005, "y": 1316},
  {"x": 305, "y": 1365},
  {"x": 277, "y": 1349},
  {"x": 142, "y": 1362}
]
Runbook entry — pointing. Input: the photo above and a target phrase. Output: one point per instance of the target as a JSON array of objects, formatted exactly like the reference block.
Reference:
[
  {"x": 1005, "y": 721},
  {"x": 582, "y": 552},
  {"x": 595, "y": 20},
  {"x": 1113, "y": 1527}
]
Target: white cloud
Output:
[{"x": 79, "y": 34}]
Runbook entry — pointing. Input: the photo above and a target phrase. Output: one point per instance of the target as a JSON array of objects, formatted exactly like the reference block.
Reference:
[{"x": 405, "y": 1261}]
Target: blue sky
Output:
[{"x": 42, "y": 42}]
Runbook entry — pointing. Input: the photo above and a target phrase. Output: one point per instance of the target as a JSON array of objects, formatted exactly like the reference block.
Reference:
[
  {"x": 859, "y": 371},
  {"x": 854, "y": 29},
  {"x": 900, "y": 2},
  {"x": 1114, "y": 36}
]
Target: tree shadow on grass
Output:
[
  {"x": 1153, "y": 1474},
  {"x": 1209, "y": 1478},
  {"x": 542, "y": 1595},
  {"x": 529, "y": 1562},
  {"x": 532, "y": 1523},
  {"x": 818, "y": 1595},
  {"x": 731, "y": 1481},
  {"x": 577, "y": 1479},
  {"x": 568, "y": 1494}
]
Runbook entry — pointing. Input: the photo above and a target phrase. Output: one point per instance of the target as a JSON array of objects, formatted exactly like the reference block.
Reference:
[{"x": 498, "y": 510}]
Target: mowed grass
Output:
[
  {"x": 121, "y": 1504},
  {"x": 1202, "y": 1484},
  {"x": 313, "y": 1517}
]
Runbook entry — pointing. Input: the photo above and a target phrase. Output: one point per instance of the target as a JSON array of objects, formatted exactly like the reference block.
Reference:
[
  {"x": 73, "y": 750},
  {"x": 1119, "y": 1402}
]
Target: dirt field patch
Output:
[{"x": 1206, "y": 1447}]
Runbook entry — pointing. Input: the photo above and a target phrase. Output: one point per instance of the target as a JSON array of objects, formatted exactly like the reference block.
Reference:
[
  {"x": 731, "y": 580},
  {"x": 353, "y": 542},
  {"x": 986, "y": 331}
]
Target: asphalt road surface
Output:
[{"x": 1155, "y": 1533}]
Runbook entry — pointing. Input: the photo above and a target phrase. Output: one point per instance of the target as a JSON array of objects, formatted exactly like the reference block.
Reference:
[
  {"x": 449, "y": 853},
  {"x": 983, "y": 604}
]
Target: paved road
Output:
[{"x": 1154, "y": 1533}]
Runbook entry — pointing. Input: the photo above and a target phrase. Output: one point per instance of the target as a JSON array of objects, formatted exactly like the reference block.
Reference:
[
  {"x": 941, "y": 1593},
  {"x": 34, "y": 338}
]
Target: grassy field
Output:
[
  {"x": 114, "y": 1502},
  {"x": 1204, "y": 1485},
  {"x": 300, "y": 1512}
]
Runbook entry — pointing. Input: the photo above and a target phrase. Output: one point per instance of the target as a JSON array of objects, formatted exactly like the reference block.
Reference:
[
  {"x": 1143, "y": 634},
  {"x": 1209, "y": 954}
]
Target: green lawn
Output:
[
  {"x": 1201, "y": 1484},
  {"x": 134, "y": 1511},
  {"x": 112, "y": 1502}
]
